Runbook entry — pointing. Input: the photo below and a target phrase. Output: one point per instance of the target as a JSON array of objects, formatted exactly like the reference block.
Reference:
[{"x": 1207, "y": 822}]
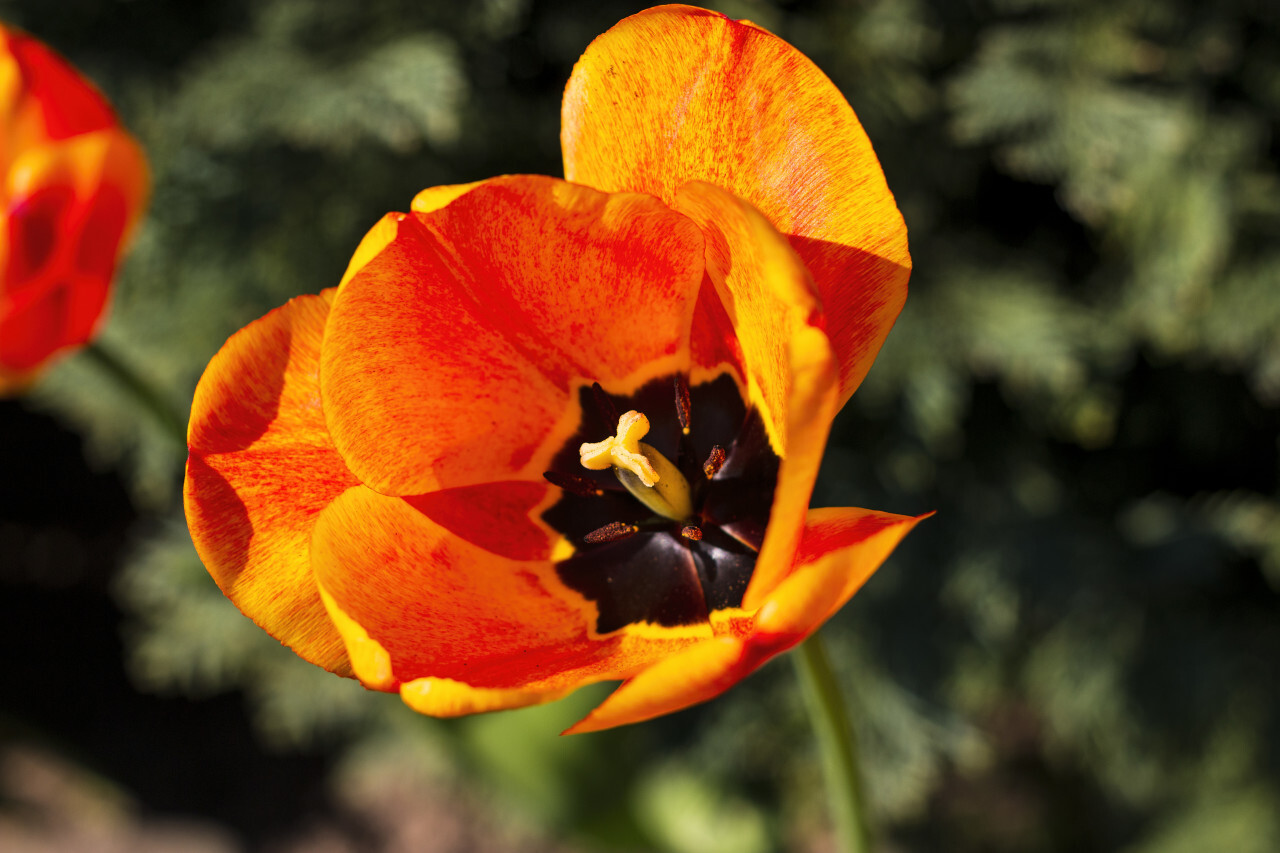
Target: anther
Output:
[
  {"x": 611, "y": 532},
  {"x": 715, "y": 461},
  {"x": 682, "y": 402},
  {"x": 691, "y": 531},
  {"x": 574, "y": 484}
]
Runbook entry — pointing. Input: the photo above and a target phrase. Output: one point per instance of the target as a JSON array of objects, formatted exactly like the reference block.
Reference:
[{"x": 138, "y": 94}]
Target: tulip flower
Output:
[
  {"x": 550, "y": 432},
  {"x": 74, "y": 186}
]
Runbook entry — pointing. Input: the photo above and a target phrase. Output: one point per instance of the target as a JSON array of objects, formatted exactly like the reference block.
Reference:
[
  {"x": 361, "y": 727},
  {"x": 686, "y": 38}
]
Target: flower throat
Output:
[{"x": 667, "y": 530}]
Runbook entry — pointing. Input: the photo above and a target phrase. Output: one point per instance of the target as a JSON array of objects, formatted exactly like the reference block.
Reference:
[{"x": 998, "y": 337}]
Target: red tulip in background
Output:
[
  {"x": 74, "y": 185},
  {"x": 550, "y": 432}
]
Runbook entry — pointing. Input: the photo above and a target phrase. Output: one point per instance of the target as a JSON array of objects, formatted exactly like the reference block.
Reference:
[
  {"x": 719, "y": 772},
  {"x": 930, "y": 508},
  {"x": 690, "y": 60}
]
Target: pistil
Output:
[{"x": 642, "y": 470}]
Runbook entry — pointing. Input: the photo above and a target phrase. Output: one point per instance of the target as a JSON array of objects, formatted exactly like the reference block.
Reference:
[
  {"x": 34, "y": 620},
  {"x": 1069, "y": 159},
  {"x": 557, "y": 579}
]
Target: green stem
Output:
[
  {"x": 836, "y": 741},
  {"x": 143, "y": 391}
]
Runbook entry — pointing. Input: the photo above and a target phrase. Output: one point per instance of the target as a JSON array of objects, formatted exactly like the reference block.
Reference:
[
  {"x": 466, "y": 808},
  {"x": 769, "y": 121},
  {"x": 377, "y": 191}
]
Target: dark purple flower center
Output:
[{"x": 638, "y": 566}]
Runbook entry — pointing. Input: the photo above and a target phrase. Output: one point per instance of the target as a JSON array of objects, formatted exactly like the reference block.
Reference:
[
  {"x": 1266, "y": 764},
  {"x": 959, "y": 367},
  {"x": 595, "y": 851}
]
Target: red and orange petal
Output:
[
  {"x": 72, "y": 186},
  {"x": 791, "y": 375},
  {"x": 70, "y": 207},
  {"x": 839, "y": 550},
  {"x": 261, "y": 469},
  {"x": 42, "y": 97},
  {"x": 451, "y": 356},
  {"x": 677, "y": 94},
  {"x": 415, "y": 601}
]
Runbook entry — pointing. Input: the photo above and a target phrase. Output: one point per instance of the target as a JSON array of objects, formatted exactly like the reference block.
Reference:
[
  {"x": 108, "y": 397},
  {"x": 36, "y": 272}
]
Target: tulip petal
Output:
[
  {"x": 370, "y": 662},
  {"x": 57, "y": 101},
  {"x": 498, "y": 517},
  {"x": 840, "y": 549},
  {"x": 439, "y": 605},
  {"x": 765, "y": 290},
  {"x": 71, "y": 207},
  {"x": 452, "y": 357},
  {"x": 790, "y": 368},
  {"x": 371, "y": 245},
  {"x": 414, "y": 602},
  {"x": 434, "y": 198},
  {"x": 444, "y": 697},
  {"x": 261, "y": 469},
  {"x": 677, "y": 94},
  {"x": 812, "y": 406},
  {"x": 694, "y": 675}
]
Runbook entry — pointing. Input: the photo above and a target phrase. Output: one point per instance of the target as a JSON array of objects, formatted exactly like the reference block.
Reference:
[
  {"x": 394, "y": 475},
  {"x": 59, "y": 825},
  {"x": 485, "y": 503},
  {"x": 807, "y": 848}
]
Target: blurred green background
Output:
[{"x": 1080, "y": 652}]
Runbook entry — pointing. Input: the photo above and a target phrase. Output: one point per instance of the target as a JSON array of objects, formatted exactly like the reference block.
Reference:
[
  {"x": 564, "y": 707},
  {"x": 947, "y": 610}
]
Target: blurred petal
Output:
[
  {"x": 444, "y": 697},
  {"x": 72, "y": 184},
  {"x": 261, "y": 469},
  {"x": 71, "y": 207},
  {"x": 677, "y": 94},
  {"x": 450, "y": 358},
  {"x": 53, "y": 101}
]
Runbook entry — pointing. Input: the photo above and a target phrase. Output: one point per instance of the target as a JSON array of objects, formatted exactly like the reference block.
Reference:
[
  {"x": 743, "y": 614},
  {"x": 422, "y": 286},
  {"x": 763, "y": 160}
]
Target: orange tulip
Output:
[
  {"x": 546, "y": 433},
  {"x": 74, "y": 185}
]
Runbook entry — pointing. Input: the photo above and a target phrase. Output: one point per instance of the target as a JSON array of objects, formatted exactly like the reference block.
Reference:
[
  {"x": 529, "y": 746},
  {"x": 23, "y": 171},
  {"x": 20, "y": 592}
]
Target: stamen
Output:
[
  {"x": 604, "y": 404},
  {"x": 611, "y": 532},
  {"x": 622, "y": 450},
  {"x": 641, "y": 469},
  {"x": 691, "y": 531},
  {"x": 574, "y": 484},
  {"x": 715, "y": 461},
  {"x": 682, "y": 402}
]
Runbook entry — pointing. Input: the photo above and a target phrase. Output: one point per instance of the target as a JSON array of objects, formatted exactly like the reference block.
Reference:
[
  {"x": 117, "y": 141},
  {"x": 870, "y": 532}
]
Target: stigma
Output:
[
  {"x": 648, "y": 475},
  {"x": 622, "y": 450}
]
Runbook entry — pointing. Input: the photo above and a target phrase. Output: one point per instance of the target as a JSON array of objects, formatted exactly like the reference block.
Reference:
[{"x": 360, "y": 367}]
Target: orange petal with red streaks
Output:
[
  {"x": 496, "y": 516},
  {"x": 812, "y": 405},
  {"x": 458, "y": 629},
  {"x": 841, "y": 548},
  {"x": 790, "y": 369},
  {"x": 765, "y": 290},
  {"x": 440, "y": 606},
  {"x": 261, "y": 469},
  {"x": 450, "y": 358},
  {"x": 677, "y": 94},
  {"x": 694, "y": 675}
]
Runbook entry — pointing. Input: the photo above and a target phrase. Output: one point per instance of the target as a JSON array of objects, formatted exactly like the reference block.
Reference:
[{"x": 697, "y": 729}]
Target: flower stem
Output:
[
  {"x": 837, "y": 744},
  {"x": 141, "y": 390}
]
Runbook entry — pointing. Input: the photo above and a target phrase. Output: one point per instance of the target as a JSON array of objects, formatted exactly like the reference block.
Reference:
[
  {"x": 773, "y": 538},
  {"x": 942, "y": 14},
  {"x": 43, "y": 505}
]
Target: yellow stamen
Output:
[
  {"x": 622, "y": 450},
  {"x": 642, "y": 470}
]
